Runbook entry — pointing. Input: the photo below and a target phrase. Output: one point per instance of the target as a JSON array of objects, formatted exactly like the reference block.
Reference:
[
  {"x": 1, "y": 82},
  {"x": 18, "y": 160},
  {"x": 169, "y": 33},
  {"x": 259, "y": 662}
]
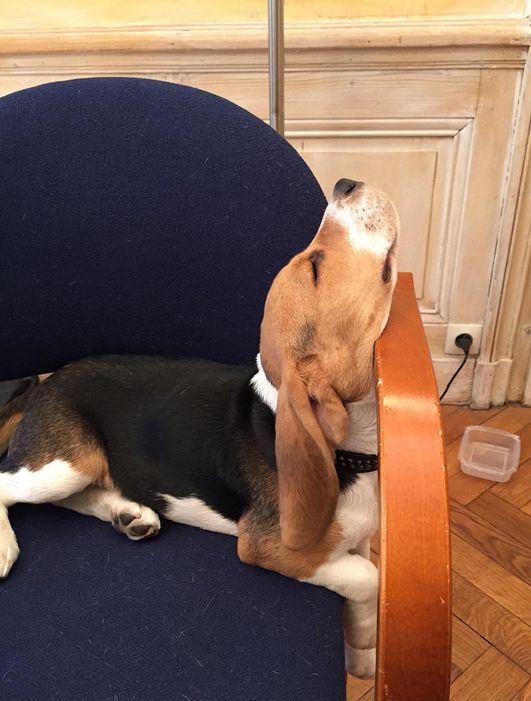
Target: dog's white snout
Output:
[{"x": 368, "y": 218}]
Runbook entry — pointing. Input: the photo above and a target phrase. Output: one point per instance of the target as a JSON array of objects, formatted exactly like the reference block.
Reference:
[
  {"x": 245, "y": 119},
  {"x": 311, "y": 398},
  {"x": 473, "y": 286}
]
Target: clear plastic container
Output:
[{"x": 489, "y": 453}]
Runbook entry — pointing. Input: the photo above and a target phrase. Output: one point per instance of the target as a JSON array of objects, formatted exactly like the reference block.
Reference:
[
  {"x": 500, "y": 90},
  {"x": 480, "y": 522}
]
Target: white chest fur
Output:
[{"x": 357, "y": 510}]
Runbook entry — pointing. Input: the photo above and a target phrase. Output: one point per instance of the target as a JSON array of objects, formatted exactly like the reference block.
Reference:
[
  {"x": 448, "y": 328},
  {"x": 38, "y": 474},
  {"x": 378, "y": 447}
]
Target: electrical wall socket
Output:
[{"x": 453, "y": 330}]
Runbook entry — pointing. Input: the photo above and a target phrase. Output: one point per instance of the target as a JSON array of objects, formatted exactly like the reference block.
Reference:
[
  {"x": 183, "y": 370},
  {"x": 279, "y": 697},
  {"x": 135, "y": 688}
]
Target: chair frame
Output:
[{"x": 414, "y": 629}]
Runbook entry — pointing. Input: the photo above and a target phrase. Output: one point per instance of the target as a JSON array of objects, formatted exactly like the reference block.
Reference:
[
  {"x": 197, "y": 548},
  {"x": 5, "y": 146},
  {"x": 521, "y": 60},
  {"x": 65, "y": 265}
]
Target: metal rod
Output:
[{"x": 276, "y": 64}]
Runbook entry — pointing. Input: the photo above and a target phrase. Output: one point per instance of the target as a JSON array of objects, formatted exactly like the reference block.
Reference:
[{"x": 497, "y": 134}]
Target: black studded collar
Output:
[{"x": 356, "y": 462}]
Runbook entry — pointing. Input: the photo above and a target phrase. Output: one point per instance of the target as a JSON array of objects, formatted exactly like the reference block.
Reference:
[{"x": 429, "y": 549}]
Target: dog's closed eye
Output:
[{"x": 315, "y": 259}]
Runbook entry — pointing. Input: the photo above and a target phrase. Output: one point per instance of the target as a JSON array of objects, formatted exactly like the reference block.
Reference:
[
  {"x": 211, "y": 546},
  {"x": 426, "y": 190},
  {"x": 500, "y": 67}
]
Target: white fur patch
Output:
[
  {"x": 263, "y": 388},
  {"x": 8, "y": 544},
  {"x": 98, "y": 502},
  {"x": 362, "y": 435},
  {"x": 53, "y": 481},
  {"x": 359, "y": 238},
  {"x": 194, "y": 512},
  {"x": 357, "y": 511},
  {"x": 357, "y": 507},
  {"x": 356, "y": 579},
  {"x": 360, "y": 663},
  {"x": 351, "y": 576}
]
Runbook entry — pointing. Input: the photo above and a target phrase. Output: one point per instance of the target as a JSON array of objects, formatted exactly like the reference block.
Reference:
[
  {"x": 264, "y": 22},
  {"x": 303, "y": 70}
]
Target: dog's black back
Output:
[{"x": 167, "y": 425}]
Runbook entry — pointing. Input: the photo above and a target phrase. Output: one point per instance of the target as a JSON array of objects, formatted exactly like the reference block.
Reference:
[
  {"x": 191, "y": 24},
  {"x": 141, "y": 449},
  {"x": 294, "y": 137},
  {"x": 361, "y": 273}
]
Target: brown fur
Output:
[
  {"x": 84, "y": 457},
  {"x": 268, "y": 551},
  {"x": 259, "y": 534},
  {"x": 7, "y": 429},
  {"x": 93, "y": 463},
  {"x": 316, "y": 347},
  {"x": 87, "y": 459},
  {"x": 51, "y": 431},
  {"x": 308, "y": 481},
  {"x": 12, "y": 413}
]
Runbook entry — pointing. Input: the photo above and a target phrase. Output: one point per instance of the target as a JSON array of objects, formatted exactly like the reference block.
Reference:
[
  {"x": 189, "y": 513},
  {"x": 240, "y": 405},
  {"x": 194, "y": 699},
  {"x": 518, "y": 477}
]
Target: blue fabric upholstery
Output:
[
  {"x": 140, "y": 216},
  {"x": 87, "y": 615}
]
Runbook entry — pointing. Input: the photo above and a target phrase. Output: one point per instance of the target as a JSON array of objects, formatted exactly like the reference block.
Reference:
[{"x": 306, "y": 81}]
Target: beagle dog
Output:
[{"x": 248, "y": 452}]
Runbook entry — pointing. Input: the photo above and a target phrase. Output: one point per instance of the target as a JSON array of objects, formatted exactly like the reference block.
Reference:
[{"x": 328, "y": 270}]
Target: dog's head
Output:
[{"x": 325, "y": 310}]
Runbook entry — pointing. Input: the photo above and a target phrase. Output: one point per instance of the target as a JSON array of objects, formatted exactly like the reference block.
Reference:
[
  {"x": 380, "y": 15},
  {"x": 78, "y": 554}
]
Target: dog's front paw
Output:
[
  {"x": 136, "y": 522},
  {"x": 360, "y": 663},
  {"x": 8, "y": 552}
]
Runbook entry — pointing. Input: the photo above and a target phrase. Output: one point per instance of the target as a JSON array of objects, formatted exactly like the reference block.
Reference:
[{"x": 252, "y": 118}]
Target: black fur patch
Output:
[{"x": 182, "y": 427}]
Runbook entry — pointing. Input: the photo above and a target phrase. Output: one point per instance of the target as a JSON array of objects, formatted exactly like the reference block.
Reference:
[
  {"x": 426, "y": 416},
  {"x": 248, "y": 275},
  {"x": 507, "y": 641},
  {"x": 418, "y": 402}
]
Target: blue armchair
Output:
[{"x": 145, "y": 217}]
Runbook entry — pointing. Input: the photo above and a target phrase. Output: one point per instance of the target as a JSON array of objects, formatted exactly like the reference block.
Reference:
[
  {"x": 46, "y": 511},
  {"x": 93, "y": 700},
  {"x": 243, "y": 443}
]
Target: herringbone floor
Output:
[{"x": 491, "y": 562}]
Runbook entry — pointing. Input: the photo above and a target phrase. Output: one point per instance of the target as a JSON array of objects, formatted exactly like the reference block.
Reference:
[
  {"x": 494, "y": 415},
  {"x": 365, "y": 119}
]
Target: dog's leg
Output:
[
  {"x": 54, "y": 480},
  {"x": 8, "y": 543},
  {"x": 132, "y": 519},
  {"x": 356, "y": 579},
  {"x": 326, "y": 564}
]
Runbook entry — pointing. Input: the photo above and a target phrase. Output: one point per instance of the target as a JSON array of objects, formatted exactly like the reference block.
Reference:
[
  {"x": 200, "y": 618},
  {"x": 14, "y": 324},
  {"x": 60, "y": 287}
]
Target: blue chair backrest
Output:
[{"x": 141, "y": 216}]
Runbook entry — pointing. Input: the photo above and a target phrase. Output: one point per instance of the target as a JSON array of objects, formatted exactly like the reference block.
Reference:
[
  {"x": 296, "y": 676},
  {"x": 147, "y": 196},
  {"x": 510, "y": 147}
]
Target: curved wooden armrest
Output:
[{"x": 414, "y": 630}]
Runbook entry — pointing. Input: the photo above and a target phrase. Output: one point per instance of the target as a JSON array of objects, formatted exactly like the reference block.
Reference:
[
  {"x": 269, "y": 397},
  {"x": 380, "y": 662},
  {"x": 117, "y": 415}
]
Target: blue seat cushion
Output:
[
  {"x": 138, "y": 216},
  {"x": 88, "y": 615}
]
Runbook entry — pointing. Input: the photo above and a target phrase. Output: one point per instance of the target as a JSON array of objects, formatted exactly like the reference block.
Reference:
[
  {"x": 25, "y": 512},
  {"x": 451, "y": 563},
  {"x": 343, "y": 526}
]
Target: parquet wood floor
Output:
[{"x": 491, "y": 563}]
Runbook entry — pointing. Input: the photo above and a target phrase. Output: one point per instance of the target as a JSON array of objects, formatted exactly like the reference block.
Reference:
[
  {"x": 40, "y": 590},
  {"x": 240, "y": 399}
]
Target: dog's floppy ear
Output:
[{"x": 307, "y": 431}]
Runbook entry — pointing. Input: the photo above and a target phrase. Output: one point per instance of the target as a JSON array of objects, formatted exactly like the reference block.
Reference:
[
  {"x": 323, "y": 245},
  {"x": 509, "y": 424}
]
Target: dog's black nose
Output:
[{"x": 344, "y": 187}]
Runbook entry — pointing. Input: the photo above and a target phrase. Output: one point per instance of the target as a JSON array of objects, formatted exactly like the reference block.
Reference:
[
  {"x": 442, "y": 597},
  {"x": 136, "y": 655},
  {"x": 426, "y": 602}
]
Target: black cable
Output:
[{"x": 463, "y": 341}]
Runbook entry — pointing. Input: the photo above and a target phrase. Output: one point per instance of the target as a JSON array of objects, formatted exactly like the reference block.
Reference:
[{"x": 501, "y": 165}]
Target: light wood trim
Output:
[
  {"x": 511, "y": 351},
  {"x": 507, "y": 289},
  {"x": 414, "y": 630},
  {"x": 367, "y": 128},
  {"x": 340, "y": 34}
]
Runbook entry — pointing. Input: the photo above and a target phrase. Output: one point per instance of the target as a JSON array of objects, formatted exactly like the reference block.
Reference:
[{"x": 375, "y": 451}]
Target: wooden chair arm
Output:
[{"x": 414, "y": 630}]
